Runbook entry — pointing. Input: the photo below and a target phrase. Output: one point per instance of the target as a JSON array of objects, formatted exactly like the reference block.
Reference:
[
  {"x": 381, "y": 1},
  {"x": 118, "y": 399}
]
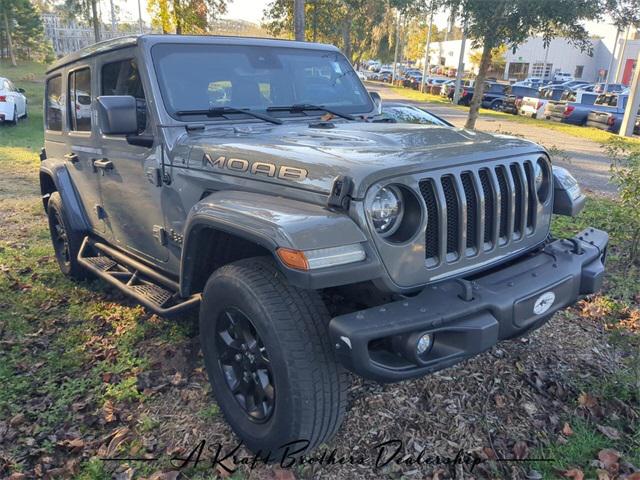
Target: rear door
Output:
[
  {"x": 66, "y": 123},
  {"x": 131, "y": 194}
]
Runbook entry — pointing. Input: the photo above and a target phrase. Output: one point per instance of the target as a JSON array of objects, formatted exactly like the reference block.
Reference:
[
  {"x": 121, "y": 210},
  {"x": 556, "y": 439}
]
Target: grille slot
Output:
[
  {"x": 432, "y": 233},
  {"x": 452, "y": 213},
  {"x": 489, "y": 205},
  {"x": 517, "y": 181},
  {"x": 481, "y": 210},
  {"x": 472, "y": 208},
  {"x": 504, "y": 201}
]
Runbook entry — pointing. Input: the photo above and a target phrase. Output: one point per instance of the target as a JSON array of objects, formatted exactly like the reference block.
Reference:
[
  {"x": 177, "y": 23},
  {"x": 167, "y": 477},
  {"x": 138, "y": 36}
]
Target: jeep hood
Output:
[{"x": 366, "y": 152}]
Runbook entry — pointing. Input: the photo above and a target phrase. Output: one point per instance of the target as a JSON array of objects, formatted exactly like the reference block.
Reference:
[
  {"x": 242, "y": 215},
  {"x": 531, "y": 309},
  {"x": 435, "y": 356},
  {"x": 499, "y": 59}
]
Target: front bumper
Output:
[{"x": 466, "y": 318}]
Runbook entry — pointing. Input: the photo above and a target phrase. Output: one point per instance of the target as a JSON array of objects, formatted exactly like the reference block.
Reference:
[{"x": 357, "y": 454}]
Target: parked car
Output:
[
  {"x": 513, "y": 100},
  {"x": 562, "y": 77},
  {"x": 610, "y": 120},
  {"x": 13, "y": 103},
  {"x": 578, "y": 114},
  {"x": 494, "y": 95},
  {"x": 310, "y": 247},
  {"x": 562, "y": 111},
  {"x": 449, "y": 90},
  {"x": 534, "y": 106},
  {"x": 405, "y": 113},
  {"x": 361, "y": 76}
]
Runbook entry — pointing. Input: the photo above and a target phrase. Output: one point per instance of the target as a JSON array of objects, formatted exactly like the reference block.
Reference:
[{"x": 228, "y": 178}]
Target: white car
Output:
[
  {"x": 562, "y": 77},
  {"x": 13, "y": 103}
]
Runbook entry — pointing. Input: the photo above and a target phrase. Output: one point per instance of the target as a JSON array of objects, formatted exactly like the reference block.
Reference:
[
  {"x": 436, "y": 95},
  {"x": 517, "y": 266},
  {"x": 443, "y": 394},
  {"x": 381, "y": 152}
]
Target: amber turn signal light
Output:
[{"x": 293, "y": 258}]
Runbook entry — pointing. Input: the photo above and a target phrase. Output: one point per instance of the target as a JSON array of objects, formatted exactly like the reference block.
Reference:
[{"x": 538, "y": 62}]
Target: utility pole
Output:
[
  {"x": 114, "y": 24},
  {"x": 621, "y": 59},
  {"x": 613, "y": 57},
  {"x": 140, "y": 18},
  {"x": 456, "y": 92},
  {"x": 298, "y": 20},
  {"x": 395, "y": 53},
  {"x": 633, "y": 103},
  {"x": 544, "y": 63},
  {"x": 427, "y": 57}
]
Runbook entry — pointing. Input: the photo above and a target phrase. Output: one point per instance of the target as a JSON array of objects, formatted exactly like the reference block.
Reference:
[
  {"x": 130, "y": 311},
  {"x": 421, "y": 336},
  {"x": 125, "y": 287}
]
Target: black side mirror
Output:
[
  {"x": 117, "y": 114},
  {"x": 21, "y": 90},
  {"x": 377, "y": 101}
]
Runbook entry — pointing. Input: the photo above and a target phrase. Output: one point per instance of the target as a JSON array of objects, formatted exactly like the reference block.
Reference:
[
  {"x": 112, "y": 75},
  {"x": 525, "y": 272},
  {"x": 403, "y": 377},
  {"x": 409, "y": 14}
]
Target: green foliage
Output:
[
  {"x": 25, "y": 29},
  {"x": 185, "y": 16},
  {"x": 625, "y": 172}
]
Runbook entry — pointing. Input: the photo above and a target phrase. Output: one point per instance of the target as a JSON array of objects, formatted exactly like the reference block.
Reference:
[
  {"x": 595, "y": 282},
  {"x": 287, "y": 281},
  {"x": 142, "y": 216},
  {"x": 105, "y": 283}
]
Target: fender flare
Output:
[
  {"x": 270, "y": 222},
  {"x": 59, "y": 175}
]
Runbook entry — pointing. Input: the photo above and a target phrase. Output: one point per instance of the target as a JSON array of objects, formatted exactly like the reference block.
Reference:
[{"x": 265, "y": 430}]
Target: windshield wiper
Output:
[
  {"x": 222, "y": 111},
  {"x": 301, "y": 107}
]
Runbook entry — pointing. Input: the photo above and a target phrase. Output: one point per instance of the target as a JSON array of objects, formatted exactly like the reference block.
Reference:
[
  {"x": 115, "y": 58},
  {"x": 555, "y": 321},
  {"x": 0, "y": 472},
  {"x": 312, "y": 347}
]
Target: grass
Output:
[
  {"x": 593, "y": 134},
  {"x": 66, "y": 350}
]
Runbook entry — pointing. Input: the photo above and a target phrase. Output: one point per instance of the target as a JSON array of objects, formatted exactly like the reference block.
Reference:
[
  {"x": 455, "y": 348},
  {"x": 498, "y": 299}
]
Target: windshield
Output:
[{"x": 196, "y": 77}]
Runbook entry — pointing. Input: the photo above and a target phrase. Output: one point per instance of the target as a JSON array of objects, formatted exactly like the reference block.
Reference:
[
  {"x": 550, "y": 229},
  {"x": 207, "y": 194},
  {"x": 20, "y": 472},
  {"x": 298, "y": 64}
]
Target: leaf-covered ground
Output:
[{"x": 85, "y": 374}]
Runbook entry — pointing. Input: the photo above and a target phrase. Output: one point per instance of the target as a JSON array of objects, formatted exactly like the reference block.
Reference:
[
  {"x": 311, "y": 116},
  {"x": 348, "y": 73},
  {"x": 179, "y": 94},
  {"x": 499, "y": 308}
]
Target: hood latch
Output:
[{"x": 340, "y": 195}]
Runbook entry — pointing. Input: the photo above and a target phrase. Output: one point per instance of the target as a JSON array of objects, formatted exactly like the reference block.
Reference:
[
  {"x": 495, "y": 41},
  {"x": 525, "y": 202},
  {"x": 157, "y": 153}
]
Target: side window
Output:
[
  {"x": 123, "y": 78},
  {"x": 80, "y": 100},
  {"x": 54, "y": 103}
]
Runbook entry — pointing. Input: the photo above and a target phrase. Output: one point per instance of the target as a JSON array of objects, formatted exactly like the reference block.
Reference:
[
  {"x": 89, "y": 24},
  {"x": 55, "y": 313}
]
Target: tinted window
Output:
[
  {"x": 54, "y": 102},
  {"x": 80, "y": 100},
  {"x": 123, "y": 78},
  {"x": 200, "y": 77}
]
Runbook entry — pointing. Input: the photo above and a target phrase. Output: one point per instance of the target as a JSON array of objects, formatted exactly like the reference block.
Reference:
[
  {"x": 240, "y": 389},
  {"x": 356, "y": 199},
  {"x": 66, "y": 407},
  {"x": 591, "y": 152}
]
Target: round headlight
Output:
[{"x": 387, "y": 210}]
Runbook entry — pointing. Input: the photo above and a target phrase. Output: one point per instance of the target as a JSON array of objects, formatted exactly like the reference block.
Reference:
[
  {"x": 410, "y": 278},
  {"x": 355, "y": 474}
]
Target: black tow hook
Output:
[{"x": 467, "y": 289}]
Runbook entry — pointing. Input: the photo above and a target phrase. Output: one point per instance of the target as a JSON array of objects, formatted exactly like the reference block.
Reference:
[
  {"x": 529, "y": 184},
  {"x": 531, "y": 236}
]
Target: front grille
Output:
[{"x": 475, "y": 211}]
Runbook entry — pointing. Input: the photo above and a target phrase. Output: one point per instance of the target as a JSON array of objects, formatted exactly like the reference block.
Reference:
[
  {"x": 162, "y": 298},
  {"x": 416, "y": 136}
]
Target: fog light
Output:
[{"x": 424, "y": 343}]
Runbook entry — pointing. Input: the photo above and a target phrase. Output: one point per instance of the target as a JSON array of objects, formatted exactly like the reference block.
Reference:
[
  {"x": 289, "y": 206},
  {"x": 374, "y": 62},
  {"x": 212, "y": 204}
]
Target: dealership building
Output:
[{"x": 533, "y": 59}]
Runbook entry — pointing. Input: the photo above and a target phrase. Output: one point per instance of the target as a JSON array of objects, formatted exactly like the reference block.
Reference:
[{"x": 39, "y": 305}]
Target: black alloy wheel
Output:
[{"x": 246, "y": 365}]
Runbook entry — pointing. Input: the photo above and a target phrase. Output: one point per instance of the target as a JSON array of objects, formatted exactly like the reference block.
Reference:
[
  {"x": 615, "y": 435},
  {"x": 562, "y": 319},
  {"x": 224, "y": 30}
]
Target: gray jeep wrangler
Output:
[{"x": 256, "y": 180}]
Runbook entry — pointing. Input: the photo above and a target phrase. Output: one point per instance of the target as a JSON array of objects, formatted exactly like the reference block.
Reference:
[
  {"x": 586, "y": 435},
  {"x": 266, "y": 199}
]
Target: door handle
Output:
[
  {"x": 102, "y": 164},
  {"x": 72, "y": 157}
]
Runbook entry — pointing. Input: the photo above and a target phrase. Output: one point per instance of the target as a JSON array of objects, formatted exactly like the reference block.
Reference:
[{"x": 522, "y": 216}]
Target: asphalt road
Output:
[{"x": 583, "y": 158}]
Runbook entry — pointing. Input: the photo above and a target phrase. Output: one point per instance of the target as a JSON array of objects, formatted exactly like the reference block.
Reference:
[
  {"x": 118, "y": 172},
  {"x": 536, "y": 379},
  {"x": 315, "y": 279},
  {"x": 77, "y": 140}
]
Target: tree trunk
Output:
[
  {"x": 314, "y": 22},
  {"x": 95, "y": 20},
  {"x": 298, "y": 20},
  {"x": 177, "y": 15},
  {"x": 346, "y": 37},
  {"x": 478, "y": 91},
  {"x": 12, "y": 54}
]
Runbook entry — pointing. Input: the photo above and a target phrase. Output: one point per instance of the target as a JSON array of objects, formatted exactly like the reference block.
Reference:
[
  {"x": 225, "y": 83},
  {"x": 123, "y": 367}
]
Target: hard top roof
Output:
[{"x": 151, "y": 39}]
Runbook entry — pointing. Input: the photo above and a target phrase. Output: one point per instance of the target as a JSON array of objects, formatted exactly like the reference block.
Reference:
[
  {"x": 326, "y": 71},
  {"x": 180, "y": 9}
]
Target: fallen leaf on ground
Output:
[
  {"x": 521, "y": 450},
  {"x": 282, "y": 474},
  {"x": 603, "y": 474},
  {"x": 120, "y": 435},
  {"x": 586, "y": 400},
  {"x": 609, "y": 432},
  {"x": 574, "y": 473},
  {"x": 608, "y": 457},
  {"x": 567, "y": 430}
]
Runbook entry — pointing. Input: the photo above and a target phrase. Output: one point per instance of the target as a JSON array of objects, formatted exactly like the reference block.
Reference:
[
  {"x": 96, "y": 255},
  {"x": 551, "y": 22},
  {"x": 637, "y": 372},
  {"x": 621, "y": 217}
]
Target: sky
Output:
[{"x": 251, "y": 11}]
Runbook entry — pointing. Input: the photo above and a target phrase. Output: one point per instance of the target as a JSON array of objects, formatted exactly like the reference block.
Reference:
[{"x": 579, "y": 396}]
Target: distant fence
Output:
[{"x": 68, "y": 37}]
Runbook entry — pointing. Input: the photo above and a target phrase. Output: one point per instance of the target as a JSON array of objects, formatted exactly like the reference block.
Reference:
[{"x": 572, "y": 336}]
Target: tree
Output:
[
  {"x": 185, "y": 16},
  {"x": 497, "y": 61},
  {"x": 511, "y": 22},
  {"x": 353, "y": 25},
  {"x": 22, "y": 31},
  {"x": 87, "y": 10}
]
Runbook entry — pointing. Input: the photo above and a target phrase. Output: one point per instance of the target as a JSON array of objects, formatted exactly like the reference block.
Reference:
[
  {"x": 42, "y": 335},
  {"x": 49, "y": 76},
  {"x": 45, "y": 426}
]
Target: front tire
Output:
[
  {"x": 66, "y": 241},
  {"x": 269, "y": 358}
]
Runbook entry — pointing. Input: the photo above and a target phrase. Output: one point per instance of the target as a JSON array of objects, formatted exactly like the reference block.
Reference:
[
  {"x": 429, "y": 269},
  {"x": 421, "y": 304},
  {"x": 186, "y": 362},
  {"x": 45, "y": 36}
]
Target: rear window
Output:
[
  {"x": 609, "y": 100},
  {"x": 80, "y": 100},
  {"x": 53, "y": 104}
]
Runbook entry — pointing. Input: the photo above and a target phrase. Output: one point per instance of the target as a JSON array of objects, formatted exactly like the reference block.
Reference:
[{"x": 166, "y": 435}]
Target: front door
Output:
[{"x": 126, "y": 173}]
